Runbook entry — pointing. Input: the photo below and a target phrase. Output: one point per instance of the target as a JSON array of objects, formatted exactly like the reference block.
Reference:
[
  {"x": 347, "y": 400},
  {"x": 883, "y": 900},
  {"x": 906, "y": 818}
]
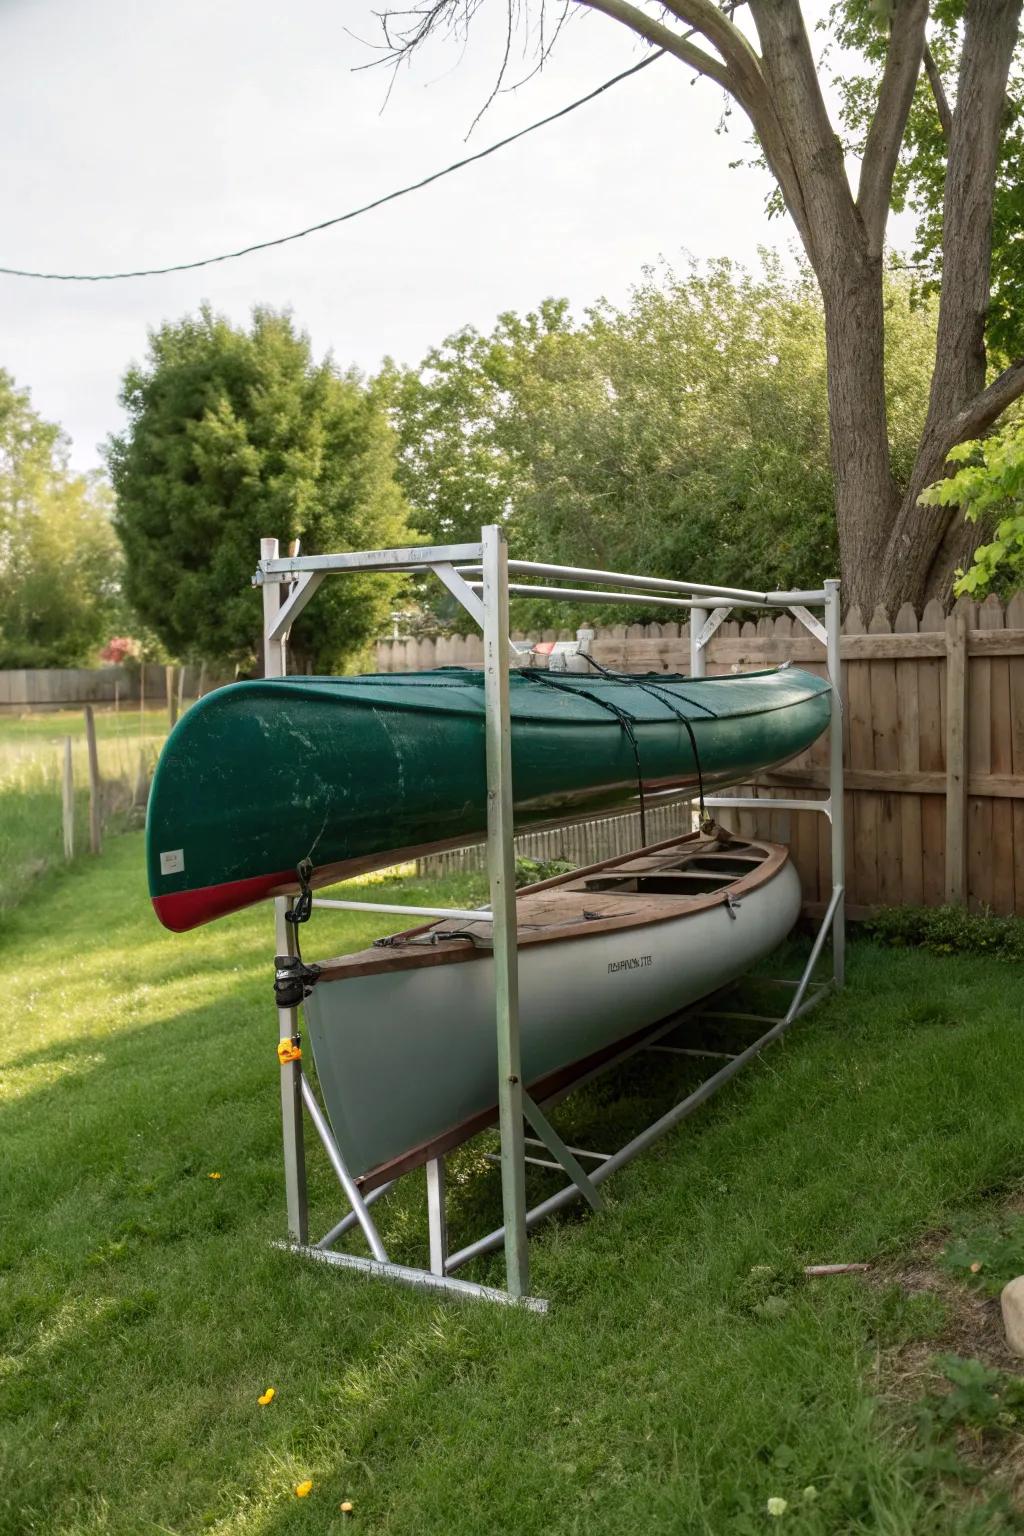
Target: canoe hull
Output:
[
  {"x": 358, "y": 773},
  {"x": 404, "y": 1056}
]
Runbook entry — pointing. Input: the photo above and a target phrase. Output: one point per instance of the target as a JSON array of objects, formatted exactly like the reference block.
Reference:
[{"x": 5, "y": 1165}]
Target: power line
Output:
[{"x": 341, "y": 218}]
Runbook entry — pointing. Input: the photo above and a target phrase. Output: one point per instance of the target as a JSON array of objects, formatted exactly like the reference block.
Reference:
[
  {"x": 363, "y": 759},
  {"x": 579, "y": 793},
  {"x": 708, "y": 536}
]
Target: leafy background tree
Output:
[
  {"x": 684, "y": 432},
  {"x": 235, "y": 434},
  {"x": 59, "y": 558}
]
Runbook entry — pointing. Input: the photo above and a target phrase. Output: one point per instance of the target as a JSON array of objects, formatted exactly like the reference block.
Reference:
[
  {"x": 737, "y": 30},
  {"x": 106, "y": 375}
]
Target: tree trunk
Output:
[{"x": 865, "y": 495}]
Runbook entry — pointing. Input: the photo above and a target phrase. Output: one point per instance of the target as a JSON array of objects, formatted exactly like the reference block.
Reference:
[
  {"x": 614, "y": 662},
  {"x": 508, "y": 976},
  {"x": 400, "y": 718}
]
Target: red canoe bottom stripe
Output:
[{"x": 181, "y": 910}]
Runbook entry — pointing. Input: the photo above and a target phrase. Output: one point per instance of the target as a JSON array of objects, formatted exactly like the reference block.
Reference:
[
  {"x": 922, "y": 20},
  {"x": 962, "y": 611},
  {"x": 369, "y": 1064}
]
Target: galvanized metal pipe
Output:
[
  {"x": 580, "y": 595},
  {"x": 351, "y": 1220},
  {"x": 385, "y": 906},
  {"x": 816, "y": 948},
  {"x": 417, "y": 1279},
  {"x": 353, "y": 1194},
  {"x": 501, "y": 878},
  {"x": 734, "y": 595},
  {"x": 836, "y": 798}
]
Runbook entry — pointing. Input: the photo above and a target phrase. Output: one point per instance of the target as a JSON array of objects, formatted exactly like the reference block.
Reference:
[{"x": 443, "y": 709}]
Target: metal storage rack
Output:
[{"x": 288, "y": 584}]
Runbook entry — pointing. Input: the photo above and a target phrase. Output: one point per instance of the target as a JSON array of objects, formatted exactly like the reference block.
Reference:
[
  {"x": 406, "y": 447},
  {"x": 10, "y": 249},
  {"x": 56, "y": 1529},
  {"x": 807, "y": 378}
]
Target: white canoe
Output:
[{"x": 403, "y": 1034}]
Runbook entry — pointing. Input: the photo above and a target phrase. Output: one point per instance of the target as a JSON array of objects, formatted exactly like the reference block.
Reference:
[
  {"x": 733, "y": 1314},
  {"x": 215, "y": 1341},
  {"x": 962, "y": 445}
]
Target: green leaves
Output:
[
  {"x": 989, "y": 487},
  {"x": 59, "y": 561},
  {"x": 235, "y": 435}
]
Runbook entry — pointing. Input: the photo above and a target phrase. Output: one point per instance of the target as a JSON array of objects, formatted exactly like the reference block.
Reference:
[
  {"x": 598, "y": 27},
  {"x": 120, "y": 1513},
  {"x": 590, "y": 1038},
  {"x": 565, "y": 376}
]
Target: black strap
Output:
[
  {"x": 625, "y": 719},
  {"x": 656, "y": 691}
]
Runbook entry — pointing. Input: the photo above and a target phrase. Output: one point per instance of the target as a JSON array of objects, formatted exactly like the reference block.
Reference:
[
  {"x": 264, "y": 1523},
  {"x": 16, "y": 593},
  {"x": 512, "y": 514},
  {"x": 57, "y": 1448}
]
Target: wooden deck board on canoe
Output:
[
  {"x": 403, "y": 1033},
  {"x": 355, "y": 773}
]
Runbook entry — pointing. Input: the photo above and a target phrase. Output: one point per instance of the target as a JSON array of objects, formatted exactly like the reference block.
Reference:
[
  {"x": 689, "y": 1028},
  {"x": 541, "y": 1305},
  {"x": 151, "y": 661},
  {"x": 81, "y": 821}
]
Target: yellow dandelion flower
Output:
[
  {"x": 267, "y": 1397},
  {"x": 345, "y": 1506},
  {"x": 301, "y": 1489},
  {"x": 213, "y": 1175}
]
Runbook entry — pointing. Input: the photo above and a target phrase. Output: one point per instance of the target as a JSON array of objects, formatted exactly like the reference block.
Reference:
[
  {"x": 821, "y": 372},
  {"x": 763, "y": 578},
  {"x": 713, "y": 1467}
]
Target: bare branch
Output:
[
  {"x": 895, "y": 95},
  {"x": 939, "y": 92},
  {"x": 971, "y": 421},
  {"x": 663, "y": 37},
  {"x": 722, "y": 33},
  {"x": 809, "y": 158},
  {"x": 986, "y": 408},
  {"x": 725, "y": 36}
]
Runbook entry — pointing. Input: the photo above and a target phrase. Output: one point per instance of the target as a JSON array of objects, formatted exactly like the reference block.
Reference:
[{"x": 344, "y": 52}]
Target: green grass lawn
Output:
[
  {"x": 31, "y": 764},
  {"x": 674, "y": 1387}
]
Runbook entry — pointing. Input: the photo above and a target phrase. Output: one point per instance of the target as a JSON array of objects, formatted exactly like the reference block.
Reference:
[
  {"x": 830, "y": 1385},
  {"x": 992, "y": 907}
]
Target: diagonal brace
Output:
[{"x": 557, "y": 1147}]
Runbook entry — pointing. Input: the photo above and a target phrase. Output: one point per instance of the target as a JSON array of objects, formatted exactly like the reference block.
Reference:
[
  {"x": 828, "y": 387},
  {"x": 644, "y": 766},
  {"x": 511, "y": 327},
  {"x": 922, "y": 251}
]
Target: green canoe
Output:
[{"x": 355, "y": 773}]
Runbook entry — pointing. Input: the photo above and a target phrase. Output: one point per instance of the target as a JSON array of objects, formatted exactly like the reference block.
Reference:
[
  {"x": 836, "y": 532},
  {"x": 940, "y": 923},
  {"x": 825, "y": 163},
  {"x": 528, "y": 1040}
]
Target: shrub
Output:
[{"x": 947, "y": 931}]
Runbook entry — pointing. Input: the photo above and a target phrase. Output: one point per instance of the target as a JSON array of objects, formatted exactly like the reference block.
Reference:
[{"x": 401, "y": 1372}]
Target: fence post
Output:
[
  {"x": 68, "y": 800},
  {"x": 956, "y": 758},
  {"x": 140, "y": 789},
  {"x": 95, "y": 808},
  {"x": 172, "y": 710}
]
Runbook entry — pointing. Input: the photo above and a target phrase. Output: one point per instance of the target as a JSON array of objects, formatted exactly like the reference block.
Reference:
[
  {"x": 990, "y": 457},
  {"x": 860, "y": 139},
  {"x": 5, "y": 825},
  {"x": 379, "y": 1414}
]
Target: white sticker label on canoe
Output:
[{"x": 173, "y": 863}]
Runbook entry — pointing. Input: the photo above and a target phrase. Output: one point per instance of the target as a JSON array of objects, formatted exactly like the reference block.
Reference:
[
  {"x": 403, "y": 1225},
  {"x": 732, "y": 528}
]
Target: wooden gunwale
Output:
[{"x": 551, "y": 928}]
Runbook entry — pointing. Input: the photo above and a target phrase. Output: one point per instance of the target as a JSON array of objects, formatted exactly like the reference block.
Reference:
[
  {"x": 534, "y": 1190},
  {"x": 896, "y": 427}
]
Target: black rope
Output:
[
  {"x": 656, "y": 692},
  {"x": 625, "y": 720}
]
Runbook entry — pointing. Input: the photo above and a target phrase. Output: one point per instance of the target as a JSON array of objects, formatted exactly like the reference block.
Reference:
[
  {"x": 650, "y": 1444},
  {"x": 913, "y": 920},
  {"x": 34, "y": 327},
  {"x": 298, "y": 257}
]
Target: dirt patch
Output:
[{"x": 909, "y": 1374}]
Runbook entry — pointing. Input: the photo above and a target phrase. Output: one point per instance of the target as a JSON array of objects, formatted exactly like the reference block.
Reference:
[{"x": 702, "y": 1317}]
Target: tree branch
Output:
[
  {"x": 990, "y": 37},
  {"x": 663, "y": 37},
  {"x": 722, "y": 33},
  {"x": 742, "y": 77},
  {"x": 939, "y": 92},
  {"x": 895, "y": 95},
  {"x": 986, "y": 408},
  {"x": 824, "y": 210}
]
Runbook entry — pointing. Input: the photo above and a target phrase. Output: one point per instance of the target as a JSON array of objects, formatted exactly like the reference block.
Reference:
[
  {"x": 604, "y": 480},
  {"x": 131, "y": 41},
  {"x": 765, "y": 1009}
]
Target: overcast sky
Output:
[{"x": 135, "y": 134}]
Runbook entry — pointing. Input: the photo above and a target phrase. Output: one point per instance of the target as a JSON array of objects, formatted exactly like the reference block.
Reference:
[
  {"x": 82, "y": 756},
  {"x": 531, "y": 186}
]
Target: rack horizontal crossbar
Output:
[
  {"x": 580, "y": 595},
  {"x": 287, "y": 567},
  {"x": 745, "y": 803},
  {"x": 736, "y": 595},
  {"x": 380, "y": 906}
]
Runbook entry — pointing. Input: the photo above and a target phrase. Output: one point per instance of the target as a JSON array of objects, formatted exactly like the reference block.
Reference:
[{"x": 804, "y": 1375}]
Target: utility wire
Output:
[{"x": 341, "y": 218}]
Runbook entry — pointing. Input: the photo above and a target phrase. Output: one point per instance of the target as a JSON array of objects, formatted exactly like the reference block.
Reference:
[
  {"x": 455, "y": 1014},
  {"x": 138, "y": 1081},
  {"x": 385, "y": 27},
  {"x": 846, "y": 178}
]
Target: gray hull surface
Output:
[{"x": 405, "y": 1056}]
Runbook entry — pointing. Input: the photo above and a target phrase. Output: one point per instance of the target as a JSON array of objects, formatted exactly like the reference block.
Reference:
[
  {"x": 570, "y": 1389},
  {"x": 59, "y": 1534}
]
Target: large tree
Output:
[
  {"x": 933, "y": 121},
  {"x": 59, "y": 560},
  {"x": 236, "y": 434},
  {"x": 684, "y": 431}
]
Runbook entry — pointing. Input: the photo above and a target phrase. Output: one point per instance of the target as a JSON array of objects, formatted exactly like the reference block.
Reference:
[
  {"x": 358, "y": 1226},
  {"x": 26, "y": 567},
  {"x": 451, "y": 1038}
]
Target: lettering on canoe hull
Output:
[{"x": 634, "y": 963}]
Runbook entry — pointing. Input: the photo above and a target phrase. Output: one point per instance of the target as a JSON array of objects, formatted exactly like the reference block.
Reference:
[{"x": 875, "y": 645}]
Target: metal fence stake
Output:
[
  {"x": 68, "y": 800},
  {"x": 95, "y": 787}
]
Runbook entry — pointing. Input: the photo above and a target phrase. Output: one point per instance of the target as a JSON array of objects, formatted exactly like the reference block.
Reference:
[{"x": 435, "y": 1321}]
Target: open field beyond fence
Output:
[{"x": 31, "y": 769}]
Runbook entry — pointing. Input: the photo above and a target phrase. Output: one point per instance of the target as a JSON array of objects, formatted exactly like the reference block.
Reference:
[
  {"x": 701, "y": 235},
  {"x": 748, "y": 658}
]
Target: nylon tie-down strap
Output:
[{"x": 627, "y": 722}]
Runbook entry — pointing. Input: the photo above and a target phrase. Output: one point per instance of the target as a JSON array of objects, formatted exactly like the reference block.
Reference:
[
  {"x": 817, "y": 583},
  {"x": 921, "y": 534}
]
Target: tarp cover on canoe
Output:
[{"x": 355, "y": 773}]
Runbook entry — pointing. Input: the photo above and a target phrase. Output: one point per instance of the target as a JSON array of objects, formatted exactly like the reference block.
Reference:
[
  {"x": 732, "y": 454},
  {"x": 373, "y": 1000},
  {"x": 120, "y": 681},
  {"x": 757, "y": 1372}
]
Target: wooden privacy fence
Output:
[
  {"x": 933, "y": 733},
  {"x": 44, "y": 688}
]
